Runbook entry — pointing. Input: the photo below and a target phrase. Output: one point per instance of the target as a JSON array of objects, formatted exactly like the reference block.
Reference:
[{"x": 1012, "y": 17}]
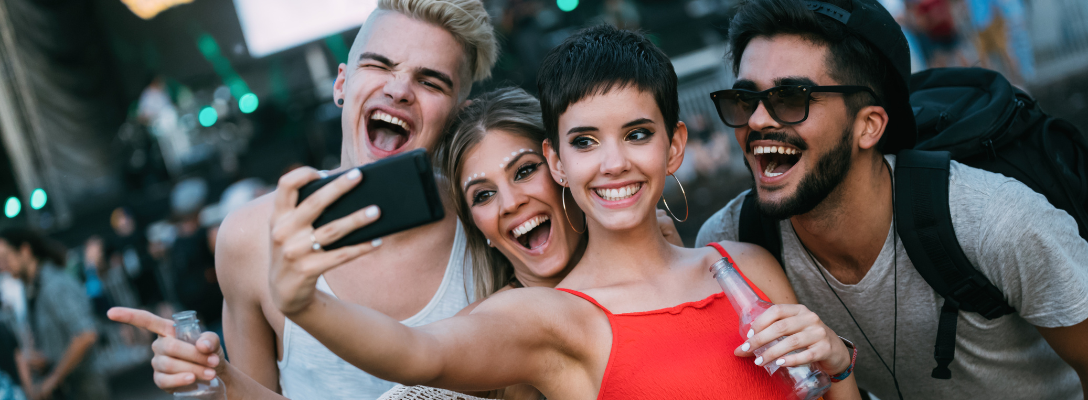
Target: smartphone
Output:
[{"x": 403, "y": 188}]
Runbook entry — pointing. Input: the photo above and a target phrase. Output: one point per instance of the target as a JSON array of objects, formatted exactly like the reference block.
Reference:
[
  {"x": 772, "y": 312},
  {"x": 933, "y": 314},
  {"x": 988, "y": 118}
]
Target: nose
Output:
[
  {"x": 761, "y": 119},
  {"x": 512, "y": 199},
  {"x": 614, "y": 160},
  {"x": 399, "y": 89}
]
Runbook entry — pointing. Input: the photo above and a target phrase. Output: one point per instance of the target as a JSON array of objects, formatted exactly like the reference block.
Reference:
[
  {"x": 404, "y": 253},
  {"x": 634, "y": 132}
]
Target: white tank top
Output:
[{"x": 310, "y": 371}]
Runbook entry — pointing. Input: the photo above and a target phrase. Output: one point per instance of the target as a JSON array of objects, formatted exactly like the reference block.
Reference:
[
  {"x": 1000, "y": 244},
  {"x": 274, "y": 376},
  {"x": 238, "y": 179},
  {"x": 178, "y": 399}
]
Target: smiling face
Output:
[
  {"x": 795, "y": 166},
  {"x": 518, "y": 207},
  {"x": 615, "y": 154},
  {"x": 399, "y": 88}
]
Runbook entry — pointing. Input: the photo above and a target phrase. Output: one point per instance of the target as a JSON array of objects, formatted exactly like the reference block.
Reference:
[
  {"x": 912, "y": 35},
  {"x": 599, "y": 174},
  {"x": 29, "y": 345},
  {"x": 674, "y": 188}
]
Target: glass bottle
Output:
[
  {"x": 807, "y": 381},
  {"x": 187, "y": 329}
]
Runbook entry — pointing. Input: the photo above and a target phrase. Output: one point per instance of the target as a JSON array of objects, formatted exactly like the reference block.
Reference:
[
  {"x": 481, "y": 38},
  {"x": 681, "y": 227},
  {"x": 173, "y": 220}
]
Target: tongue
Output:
[
  {"x": 782, "y": 168},
  {"x": 386, "y": 139},
  {"x": 539, "y": 235}
]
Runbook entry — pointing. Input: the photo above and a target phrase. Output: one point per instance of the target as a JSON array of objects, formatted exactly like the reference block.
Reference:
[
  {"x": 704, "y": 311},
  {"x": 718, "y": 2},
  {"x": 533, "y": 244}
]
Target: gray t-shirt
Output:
[{"x": 1030, "y": 250}]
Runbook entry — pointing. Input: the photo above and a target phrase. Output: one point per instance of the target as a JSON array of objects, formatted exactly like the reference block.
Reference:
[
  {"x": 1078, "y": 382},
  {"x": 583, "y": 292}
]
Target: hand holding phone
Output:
[{"x": 298, "y": 257}]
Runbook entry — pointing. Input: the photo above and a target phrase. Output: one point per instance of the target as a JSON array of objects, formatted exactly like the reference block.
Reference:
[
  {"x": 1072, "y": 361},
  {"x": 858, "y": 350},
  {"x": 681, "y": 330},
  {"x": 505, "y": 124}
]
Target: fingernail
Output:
[
  {"x": 323, "y": 174},
  {"x": 376, "y": 242},
  {"x": 751, "y": 333},
  {"x": 353, "y": 174},
  {"x": 209, "y": 373},
  {"x": 746, "y": 346},
  {"x": 780, "y": 362},
  {"x": 371, "y": 212},
  {"x": 206, "y": 343},
  {"x": 759, "y": 360},
  {"x": 213, "y": 360}
]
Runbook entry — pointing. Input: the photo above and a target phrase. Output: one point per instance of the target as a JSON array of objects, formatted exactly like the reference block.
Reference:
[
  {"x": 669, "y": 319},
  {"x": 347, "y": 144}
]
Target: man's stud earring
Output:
[
  {"x": 339, "y": 102},
  {"x": 488, "y": 242}
]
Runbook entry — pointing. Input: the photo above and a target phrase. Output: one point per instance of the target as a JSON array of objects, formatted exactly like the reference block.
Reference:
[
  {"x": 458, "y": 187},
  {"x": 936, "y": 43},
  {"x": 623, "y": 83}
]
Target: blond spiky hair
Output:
[{"x": 466, "y": 20}]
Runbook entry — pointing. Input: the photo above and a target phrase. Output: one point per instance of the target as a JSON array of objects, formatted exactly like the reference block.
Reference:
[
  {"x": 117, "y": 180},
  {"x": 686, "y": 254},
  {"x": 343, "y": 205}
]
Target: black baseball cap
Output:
[{"x": 870, "y": 21}]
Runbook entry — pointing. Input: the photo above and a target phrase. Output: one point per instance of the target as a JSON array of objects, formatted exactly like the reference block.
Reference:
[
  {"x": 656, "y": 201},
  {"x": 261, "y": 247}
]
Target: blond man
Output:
[{"x": 410, "y": 69}]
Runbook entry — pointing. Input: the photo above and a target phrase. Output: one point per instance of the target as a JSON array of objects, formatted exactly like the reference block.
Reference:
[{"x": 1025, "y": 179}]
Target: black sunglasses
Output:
[{"x": 786, "y": 104}]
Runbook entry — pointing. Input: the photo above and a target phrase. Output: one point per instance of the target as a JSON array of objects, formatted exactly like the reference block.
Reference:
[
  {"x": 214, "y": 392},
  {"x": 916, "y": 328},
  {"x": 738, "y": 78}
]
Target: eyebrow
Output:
[
  {"x": 747, "y": 84},
  {"x": 441, "y": 76},
  {"x": 473, "y": 182},
  {"x": 793, "y": 80},
  {"x": 744, "y": 84},
  {"x": 377, "y": 57},
  {"x": 639, "y": 121},
  {"x": 518, "y": 157}
]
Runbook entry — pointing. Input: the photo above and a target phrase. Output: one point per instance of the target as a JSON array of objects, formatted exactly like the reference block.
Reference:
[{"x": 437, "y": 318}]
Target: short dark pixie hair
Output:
[
  {"x": 851, "y": 59},
  {"x": 597, "y": 59}
]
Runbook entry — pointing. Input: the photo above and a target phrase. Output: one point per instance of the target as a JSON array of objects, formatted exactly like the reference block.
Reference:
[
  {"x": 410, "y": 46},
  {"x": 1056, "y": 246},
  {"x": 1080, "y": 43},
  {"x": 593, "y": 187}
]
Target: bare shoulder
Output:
[
  {"x": 564, "y": 317},
  {"x": 761, "y": 268},
  {"x": 242, "y": 245},
  {"x": 468, "y": 309}
]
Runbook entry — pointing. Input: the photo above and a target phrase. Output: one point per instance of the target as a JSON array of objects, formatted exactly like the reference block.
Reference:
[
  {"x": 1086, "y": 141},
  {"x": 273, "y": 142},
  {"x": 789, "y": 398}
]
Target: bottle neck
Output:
[{"x": 745, "y": 301}]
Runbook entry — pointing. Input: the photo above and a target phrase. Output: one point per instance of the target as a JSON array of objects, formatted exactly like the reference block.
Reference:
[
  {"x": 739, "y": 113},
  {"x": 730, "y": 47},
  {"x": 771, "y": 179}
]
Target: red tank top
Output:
[{"x": 683, "y": 352}]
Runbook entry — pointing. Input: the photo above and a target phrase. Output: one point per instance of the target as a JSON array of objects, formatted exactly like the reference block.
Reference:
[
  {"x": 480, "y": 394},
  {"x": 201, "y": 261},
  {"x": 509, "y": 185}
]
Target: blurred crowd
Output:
[
  {"x": 992, "y": 34},
  {"x": 55, "y": 341}
]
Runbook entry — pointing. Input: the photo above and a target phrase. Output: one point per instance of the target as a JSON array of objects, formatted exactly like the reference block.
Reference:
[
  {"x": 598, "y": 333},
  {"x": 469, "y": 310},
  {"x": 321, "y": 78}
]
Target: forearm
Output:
[
  {"x": 242, "y": 387},
  {"x": 24, "y": 371},
  {"x": 252, "y": 344},
  {"x": 77, "y": 349},
  {"x": 370, "y": 340}
]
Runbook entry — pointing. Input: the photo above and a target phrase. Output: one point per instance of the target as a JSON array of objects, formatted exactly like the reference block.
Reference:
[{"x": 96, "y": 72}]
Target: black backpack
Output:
[{"x": 973, "y": 116}]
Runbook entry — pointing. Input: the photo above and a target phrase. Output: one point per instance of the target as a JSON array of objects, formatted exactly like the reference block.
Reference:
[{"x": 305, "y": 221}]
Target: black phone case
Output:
[{"x": 403, "y": 188}]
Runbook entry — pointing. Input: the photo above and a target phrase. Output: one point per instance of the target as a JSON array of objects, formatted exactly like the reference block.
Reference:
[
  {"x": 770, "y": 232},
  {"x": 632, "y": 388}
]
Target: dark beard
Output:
[{"x": 829, "y": 172}]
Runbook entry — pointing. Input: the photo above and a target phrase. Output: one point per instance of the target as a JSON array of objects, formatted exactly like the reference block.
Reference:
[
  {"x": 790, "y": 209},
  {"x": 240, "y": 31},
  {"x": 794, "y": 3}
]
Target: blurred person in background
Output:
[
  {"x": 991, "y": 37},
  {"x": 9, "y": 369},
  {"x": 128, "y": 249},
  {"x": 191, "y": 257},
  {"x": 93, "y": 259},
  {"x": 940, "y": 40},
  {"x": 60, "y": 319}
]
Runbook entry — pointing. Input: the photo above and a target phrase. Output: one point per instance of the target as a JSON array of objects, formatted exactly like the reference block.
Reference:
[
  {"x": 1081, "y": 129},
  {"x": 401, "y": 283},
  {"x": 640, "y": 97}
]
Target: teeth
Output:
[
  {"x": 619, "y": 193},
  {"x": 775, "y": 149},
  {"x": 529, "y": 225},
  {"x": 382, "y": 116},
  {"x": 769, "y": 171}
]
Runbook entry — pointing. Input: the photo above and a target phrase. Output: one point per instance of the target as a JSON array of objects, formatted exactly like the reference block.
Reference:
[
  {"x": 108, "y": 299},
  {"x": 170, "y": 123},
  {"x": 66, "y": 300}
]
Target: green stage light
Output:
[
  {"x": 567, "y": 5},
  {"x": 38, "y": 199},
  {"x": 248, "y": 103},
  {"x": 207, "y": 117},
  {"x": 12, "y": 207}
]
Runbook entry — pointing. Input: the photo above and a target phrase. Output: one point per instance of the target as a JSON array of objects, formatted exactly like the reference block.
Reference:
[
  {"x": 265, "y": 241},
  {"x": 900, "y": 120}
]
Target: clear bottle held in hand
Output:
[
  {"x": 808, "y": 382},
  {"x": 187, "y": 329}
]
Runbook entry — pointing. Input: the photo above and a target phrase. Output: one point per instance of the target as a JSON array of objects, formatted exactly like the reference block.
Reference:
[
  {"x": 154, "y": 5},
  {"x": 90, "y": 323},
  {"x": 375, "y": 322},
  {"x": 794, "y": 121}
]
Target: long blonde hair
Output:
[{"x": 512, "y": 111}]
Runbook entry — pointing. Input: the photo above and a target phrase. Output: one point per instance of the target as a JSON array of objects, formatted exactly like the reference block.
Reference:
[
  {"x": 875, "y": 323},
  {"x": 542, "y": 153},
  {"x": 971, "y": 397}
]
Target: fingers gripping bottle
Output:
[
  {"x": 808, "y": 382},
  {"x": 187, "y": 329}
]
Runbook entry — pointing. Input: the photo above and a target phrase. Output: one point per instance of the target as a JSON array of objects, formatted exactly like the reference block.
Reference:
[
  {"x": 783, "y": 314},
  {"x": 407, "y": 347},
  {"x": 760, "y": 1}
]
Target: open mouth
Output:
[
  {"x": 534, "y": 233},
  {"x": 386, "y": 132},
  {"x": 618, "y": 194},
  {"x": 776, "y": 160}
]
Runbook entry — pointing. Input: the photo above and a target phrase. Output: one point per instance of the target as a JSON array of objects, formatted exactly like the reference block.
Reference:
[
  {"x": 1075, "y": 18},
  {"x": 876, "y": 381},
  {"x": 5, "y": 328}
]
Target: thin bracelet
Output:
[{"x": 853, "y": 358}]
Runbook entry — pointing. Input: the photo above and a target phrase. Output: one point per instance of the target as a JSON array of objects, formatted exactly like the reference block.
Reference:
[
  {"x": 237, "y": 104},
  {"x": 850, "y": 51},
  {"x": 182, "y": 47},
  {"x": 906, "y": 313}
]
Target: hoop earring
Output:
[
  {"x": 686, "y": 209},
  {"x": 564, "y": 194}
]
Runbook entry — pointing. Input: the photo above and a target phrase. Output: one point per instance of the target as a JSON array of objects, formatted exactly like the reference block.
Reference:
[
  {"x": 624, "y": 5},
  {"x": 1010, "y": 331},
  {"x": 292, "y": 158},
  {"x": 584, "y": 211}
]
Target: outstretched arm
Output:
[{"x": 499, "y": 344}]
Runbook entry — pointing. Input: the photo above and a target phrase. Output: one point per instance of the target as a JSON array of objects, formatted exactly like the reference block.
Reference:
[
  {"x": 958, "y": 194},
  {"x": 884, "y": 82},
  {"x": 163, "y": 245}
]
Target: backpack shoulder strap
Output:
[
  {"x": 924, "y": 224},
  {"x": 757, "y": 229}
]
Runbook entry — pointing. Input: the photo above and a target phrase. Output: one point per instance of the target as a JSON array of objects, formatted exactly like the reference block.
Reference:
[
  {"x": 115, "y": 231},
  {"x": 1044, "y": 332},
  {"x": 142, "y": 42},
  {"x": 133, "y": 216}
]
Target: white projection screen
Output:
[{"x": 270, "y": 26}]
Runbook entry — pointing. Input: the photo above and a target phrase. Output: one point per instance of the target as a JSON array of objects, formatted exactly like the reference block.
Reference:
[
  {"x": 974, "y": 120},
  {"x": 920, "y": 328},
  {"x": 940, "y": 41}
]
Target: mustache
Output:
[{"x": 784, "y": 137}]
